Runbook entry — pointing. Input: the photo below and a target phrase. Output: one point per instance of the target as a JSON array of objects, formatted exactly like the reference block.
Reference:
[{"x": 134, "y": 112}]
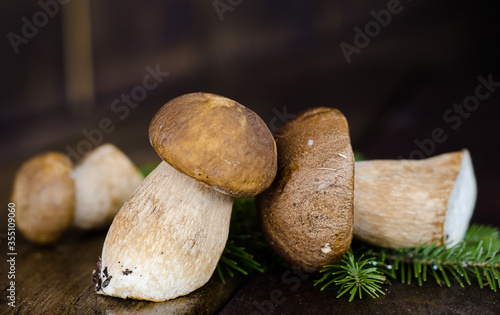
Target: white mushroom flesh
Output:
[
  {"x": 104, "y": 180},
  {"x": 461, "y": 202}
]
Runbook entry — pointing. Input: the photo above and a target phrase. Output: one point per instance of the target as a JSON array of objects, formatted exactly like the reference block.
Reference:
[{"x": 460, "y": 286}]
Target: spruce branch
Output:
[
  {"x": 477, "y": 256},
  {"x": 242, "y": 240},
  {"x": 353, "y": 275},
  {"x": 147, "y": 168},
  {"x": 485, "y": 233},
  {"x": 358, "y": 156},
  {"x": 236, "y": 258}
]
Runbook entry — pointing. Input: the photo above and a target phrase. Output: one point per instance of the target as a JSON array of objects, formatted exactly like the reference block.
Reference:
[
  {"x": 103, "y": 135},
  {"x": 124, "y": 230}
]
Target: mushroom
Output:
[
  {"x": 51, "y": 196},
  {"x": 405, "y": 203},
  {"x": 167, "y": 238},
  {"x": 104, "y": 179},
  {"x": 44, "y": 196},
  {"x": 307, "y": 213}
]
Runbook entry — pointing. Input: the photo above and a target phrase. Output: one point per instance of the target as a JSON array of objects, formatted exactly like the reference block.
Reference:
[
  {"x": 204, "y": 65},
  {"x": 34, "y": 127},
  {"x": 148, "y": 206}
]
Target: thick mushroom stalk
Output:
[
  {"x": 167, "y": 239},
  {"x": 405, "y": 203}
]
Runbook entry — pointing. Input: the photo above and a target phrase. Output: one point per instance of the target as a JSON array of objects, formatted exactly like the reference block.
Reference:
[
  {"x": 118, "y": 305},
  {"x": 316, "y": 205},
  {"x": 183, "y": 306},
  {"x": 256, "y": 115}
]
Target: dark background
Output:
[{"x": 273, "y": 57}]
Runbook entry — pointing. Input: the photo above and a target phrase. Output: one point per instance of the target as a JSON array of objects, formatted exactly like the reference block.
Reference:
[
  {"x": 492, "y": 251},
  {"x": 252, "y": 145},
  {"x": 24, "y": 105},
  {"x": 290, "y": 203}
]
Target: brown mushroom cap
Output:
[
  {"x": 307, "y": 213},
  {"x": 216, "y": 141},
  {"x": 44, "y": 194}
]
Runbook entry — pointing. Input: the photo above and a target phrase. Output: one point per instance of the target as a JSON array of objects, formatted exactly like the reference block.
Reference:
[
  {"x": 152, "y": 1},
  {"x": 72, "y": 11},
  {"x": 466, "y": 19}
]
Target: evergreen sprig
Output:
[
  {"x": 236, "y": 258},
  {"x": 147, "y": 168},
  {"x": 476, "y": 258},
  {"x": 354, "y": 275},
  {"x": 485, "y": 233},
  {"x": 241, "y": 241}
]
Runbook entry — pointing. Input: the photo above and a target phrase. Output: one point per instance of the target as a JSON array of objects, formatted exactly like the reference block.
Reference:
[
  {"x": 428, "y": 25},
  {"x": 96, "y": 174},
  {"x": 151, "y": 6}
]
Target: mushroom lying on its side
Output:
[
  {"x": 405, "y": 203},
  {"x": 168, "y": 237},
  {"x": 307, "y": 213}
]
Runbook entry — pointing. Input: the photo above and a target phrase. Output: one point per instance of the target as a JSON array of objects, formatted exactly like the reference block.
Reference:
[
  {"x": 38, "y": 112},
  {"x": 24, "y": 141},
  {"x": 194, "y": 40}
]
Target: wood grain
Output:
[{"x": 58, "y": 280}]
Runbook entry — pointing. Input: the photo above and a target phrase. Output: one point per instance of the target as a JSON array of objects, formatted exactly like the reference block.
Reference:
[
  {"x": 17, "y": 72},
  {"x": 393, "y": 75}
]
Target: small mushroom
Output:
[
  {"x": 48, "y": 192},
  {"x": 405, "y": 203},
  {"x": 104, "y": 180},
  {"x": 172, "y": 230},
  {"x": 44, "y": 195},
  {"x": 307, "y": 213}
]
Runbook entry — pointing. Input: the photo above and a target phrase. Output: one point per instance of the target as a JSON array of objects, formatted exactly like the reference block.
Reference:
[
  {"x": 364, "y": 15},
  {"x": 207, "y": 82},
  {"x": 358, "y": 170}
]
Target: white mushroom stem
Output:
[
  {"x": 405, "y": 203},
  {"x": 167, "y": 238}
]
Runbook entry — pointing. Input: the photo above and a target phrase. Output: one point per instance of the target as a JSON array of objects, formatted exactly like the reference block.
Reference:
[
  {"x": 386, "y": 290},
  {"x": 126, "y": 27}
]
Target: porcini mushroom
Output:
[
  {"x": 44, "y": 195},
  {"x": 168, "y": 237},
  {"x": 307, "y": 213},
  {"x": 405, "y": 203},
  {"x": 51, "y": 196},
  {"x": 104, "y": 179}
]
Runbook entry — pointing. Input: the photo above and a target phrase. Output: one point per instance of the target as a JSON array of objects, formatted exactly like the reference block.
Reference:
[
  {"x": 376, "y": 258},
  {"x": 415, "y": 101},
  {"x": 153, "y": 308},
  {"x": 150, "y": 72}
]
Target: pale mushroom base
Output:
[{"x": 166, "y": 240}]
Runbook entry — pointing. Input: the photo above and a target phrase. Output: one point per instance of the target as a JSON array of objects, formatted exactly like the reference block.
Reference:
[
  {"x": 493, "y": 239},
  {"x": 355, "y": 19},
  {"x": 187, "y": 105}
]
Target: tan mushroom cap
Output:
[
  {"x": 44, "y": 194},
  {"x": 216, "y": 141}
]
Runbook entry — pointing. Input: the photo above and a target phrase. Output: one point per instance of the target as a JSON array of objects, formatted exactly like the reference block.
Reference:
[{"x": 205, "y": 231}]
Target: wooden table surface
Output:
[{"x": 58, "y": 280}]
